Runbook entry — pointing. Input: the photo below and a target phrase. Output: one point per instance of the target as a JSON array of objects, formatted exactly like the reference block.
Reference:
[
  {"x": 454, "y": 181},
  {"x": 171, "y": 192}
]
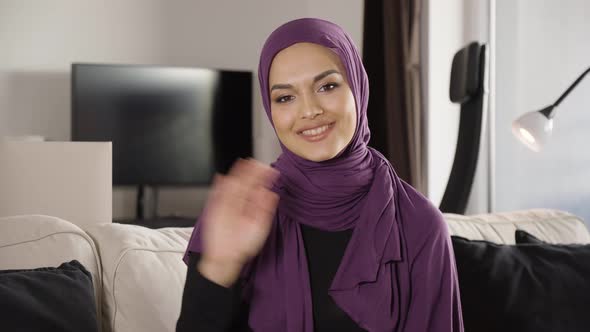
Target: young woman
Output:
[{"x": 329, "y": 238}]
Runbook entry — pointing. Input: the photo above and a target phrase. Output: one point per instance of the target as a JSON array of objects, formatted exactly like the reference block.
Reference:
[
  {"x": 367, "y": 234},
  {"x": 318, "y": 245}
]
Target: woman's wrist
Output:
[{"x": 221, "y": 273}]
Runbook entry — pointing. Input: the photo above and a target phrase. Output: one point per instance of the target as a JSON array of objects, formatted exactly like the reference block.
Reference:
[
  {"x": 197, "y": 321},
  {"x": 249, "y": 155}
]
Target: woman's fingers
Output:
[
  {"x": 244, "y": 180},
  {"x": 253, "y": 173},
  {"x": 266, "y": 201},
  {"x": 235, "y": 196},
  {"x": 245, "y": 193},
  {"x": 263, "y": 174},
  {"x": 263, "y": 206}
]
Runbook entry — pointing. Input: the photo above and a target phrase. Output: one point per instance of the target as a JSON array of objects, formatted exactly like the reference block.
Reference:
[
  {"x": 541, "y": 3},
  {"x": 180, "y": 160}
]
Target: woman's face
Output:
[{"x": 312, "y": 107}]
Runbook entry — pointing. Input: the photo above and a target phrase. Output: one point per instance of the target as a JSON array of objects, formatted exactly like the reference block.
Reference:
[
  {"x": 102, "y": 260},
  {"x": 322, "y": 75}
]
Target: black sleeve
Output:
[{"x": 207, "y": 306}]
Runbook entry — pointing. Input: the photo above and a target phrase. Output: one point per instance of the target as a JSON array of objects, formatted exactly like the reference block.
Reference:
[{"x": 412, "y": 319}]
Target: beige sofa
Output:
[{"x": 139, "y": 273}]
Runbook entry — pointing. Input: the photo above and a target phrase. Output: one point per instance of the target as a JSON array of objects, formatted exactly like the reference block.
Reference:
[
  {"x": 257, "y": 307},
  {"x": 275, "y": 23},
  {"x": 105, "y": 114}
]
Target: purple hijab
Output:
[{"x": 397, "y": 272}]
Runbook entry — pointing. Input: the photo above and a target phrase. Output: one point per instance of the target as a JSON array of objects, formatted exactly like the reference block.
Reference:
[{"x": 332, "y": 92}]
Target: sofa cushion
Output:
[
  {"x": 529, "y": 287},
  {"x": 48, "y": 299},
  {"x": 143, "y": 275},
  {"x": 552, "y": 226},
  {"x": 32, "y": 241}
]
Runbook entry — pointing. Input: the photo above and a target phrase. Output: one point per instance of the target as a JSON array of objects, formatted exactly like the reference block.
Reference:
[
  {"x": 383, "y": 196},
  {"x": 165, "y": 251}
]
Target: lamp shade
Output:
[{"x": 533, "y": 129}]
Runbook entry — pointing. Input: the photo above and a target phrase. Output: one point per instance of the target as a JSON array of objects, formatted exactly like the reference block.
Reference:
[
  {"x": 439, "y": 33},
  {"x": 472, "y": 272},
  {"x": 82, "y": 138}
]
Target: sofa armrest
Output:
[{"x": 32, "y": 241}]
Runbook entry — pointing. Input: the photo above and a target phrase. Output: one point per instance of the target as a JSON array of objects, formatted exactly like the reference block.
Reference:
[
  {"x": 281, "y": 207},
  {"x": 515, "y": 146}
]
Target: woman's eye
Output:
[
  {"x": 328, "y": 87},
  {"x": 283, "y": 99}
]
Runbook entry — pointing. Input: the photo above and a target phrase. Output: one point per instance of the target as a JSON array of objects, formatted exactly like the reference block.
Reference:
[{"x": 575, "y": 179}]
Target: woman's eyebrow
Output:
[
  {"x": 281, "y": 86},
  {"x": 326, "y": 73},
  {"x": 315, "y": 79}
]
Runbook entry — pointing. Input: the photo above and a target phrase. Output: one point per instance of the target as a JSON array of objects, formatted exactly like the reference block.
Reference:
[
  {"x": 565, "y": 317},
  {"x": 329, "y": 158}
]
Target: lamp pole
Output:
[{"x": 549, "y": 111}]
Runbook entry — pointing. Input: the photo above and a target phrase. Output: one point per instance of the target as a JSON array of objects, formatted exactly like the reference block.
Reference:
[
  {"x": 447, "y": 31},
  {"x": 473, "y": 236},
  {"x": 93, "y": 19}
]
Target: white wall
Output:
[
  {"x": 444, "y": 37},
  {"x": 542, "y": 46},
  {"x": 39, "y": 40},
  {"x": 451, "y": 25}
]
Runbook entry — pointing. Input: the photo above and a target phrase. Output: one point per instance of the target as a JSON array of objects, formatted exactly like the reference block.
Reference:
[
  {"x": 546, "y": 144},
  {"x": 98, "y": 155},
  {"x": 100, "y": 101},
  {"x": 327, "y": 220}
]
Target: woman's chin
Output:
[
  {"x": 318, "y": 156},
  {"x": 314, "y": 151}
]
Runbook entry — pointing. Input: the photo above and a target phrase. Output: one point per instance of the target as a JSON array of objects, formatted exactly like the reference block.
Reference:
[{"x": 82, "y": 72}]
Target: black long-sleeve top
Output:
[{"x": 207, "y": 306}]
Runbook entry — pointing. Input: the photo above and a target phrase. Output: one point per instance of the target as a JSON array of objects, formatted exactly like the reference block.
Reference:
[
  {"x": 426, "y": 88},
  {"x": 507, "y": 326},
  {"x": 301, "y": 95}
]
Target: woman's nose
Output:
[{"x": 310, "y": 108}]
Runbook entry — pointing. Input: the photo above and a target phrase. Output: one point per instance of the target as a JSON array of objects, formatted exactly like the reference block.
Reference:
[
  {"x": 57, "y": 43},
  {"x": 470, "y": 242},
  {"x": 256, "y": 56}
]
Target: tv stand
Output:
[
  {"x": 149, "y": 218},
  {"x": 140, "y": 203},
  {"x": 146, "y": 205}
]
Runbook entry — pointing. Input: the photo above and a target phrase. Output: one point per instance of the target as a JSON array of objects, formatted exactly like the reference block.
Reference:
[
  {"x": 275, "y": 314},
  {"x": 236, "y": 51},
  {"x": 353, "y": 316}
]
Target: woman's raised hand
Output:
[{"x": 237, "y": 220}]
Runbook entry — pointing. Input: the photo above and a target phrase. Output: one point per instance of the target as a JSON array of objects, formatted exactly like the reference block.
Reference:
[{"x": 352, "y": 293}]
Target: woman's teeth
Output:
[{"x": 315, "y": 131}]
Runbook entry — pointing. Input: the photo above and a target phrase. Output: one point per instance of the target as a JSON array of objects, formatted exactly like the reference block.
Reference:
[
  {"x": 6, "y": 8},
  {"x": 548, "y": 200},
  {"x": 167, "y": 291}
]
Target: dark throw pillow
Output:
[
  {"x": 48, "y": 299},
  {"x": 529, "y": 287},
  {"x": 524, "y": 237}
]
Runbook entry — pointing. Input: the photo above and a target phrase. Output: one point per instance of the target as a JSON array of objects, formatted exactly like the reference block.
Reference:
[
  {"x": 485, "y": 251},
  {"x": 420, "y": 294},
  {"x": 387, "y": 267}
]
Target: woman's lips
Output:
[{"x": 317, "y": 134}]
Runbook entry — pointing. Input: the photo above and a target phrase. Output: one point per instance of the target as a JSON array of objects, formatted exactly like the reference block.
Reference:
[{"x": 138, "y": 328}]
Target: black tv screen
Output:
[{"x": 168, "y": 125}]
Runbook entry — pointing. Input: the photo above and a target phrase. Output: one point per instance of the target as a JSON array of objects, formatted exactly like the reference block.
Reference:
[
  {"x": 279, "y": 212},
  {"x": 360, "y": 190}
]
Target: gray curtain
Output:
[{"x": 391, "y": 53}]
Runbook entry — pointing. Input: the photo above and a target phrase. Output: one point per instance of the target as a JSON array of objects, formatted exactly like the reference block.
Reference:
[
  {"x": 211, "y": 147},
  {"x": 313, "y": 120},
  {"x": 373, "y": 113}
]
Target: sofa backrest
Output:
[{"x": 552, "y": 226}]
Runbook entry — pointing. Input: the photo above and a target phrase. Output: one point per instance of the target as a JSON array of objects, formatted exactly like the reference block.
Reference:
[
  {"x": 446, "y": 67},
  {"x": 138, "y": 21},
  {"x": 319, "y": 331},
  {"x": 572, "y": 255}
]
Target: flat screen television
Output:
[{"x": 169, "y": 126}]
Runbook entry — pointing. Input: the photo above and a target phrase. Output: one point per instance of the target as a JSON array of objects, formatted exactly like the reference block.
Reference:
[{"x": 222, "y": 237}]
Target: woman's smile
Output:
[{"x": 318, "y": 133}]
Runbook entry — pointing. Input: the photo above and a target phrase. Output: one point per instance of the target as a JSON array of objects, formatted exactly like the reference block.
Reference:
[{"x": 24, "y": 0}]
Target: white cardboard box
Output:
[{"x": 69, "y": 180}]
